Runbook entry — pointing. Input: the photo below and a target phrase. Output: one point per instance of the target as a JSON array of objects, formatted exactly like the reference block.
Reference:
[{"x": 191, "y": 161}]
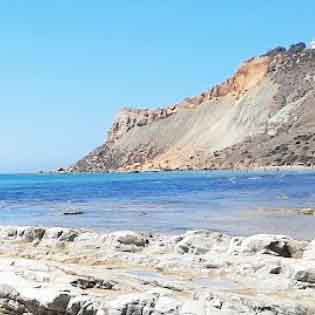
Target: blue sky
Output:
[{"x": 67, "y": 67}]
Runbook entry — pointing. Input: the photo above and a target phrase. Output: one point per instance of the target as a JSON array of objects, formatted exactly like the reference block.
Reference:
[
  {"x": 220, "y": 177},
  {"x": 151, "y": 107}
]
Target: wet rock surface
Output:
[{"x": 61, "y": 271}]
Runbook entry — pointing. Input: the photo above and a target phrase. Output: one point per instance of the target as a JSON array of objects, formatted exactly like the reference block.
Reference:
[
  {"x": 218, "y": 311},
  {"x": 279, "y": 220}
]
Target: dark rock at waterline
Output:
[{"x": 73, "y": 213}]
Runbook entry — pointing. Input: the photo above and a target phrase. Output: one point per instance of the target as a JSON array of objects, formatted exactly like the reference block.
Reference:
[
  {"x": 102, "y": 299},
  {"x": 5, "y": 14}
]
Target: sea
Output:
[{"x": 237, "y": 203}]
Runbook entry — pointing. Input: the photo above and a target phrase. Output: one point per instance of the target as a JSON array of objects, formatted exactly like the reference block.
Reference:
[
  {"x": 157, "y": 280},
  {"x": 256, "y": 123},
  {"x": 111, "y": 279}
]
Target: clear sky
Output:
[{"x": 67, "y": 67}]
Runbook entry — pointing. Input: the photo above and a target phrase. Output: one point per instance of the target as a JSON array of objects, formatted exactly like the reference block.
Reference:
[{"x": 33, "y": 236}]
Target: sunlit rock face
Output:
[{"x": 262, "y": 116}]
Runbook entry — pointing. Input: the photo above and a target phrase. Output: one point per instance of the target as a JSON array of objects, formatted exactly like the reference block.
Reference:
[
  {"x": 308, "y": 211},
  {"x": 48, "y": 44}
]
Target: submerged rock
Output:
[{"x": 73, "y": 213}]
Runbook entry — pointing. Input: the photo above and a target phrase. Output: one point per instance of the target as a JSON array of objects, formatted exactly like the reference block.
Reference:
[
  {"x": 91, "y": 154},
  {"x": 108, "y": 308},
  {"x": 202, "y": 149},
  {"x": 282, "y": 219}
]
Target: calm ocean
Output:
[{"x": 169, "y": 202}]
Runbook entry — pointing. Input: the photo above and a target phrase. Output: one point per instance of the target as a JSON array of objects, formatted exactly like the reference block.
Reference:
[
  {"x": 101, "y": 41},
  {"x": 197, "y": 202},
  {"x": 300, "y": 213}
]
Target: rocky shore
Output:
[{"x": 64, "y": 271}]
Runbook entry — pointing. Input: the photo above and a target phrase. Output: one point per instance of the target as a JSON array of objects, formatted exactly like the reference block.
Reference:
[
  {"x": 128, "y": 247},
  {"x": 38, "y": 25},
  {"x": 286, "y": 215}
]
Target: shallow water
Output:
[
  {"x": 221, "y": 284},
  {"x": 162, "y": 202},
  {"x": 205, "y": 282}
]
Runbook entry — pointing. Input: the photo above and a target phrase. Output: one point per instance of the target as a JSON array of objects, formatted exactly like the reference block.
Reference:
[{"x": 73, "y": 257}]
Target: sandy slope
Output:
[{"x": 267, "y": 103}]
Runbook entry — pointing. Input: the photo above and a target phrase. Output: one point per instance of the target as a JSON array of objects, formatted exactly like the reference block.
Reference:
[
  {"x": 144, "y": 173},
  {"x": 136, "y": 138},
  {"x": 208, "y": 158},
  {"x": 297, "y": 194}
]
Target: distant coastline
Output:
[{"x": 293, "y": 168}]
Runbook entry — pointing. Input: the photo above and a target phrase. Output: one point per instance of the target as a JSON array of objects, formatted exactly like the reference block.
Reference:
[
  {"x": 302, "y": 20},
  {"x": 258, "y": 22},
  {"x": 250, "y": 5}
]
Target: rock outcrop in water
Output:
[
  {"x": 59, "y": 271},
  {"x": 262, "y": 116}
]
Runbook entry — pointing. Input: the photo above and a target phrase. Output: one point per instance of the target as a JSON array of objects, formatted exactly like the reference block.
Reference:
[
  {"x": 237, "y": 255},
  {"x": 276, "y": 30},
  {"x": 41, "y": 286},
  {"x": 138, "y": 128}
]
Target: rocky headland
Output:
[
  {"x": 57, "y": 271},
  {"x": 262, "y": 116}
]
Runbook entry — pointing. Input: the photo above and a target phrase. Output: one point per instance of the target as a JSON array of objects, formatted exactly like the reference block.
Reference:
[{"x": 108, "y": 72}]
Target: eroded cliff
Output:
[{"x": 267, "y": 103}]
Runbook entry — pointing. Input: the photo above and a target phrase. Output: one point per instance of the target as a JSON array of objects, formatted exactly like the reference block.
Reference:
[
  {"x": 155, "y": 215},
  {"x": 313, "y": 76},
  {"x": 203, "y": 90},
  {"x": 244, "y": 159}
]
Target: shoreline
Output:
[
  {"x": 295, "y": 168},
  {"x": 69, "y": 271}
]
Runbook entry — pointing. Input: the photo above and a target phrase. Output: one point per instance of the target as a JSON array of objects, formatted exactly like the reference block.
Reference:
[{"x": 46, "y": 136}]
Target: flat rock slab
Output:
[{"x": 65, "y": 271}]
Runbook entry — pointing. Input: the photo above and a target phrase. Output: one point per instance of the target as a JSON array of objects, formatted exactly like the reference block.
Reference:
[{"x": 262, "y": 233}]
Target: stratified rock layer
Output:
[
  {"x": 58, "y": 271},
  {"x": 263, "y": 116}
]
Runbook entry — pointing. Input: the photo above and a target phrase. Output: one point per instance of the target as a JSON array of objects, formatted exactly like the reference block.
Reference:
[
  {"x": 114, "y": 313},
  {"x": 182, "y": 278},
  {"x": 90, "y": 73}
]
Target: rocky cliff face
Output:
[{"x": 262, "y": 116}]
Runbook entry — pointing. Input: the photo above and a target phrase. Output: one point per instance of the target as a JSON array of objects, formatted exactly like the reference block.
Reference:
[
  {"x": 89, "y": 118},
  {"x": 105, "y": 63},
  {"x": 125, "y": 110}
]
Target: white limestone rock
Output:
[
  {"x": 126, "y": 241},
  {"x": 279, "y": 245},
  {"x": 202, "y": 242},
  {"x": 309, "y": 253}
]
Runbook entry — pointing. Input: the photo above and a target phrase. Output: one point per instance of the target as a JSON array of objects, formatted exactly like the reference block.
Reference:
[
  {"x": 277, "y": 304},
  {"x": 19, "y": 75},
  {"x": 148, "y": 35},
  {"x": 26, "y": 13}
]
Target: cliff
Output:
[{"x": 262, "y": 116}]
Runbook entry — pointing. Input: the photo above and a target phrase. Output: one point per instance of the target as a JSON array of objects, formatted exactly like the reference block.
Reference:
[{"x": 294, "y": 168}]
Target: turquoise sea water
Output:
[{"x": 162, "y": 202}]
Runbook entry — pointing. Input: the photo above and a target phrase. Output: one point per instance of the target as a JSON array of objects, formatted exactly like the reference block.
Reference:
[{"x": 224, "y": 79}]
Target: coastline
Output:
[{"x": 295, "y": 168}]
